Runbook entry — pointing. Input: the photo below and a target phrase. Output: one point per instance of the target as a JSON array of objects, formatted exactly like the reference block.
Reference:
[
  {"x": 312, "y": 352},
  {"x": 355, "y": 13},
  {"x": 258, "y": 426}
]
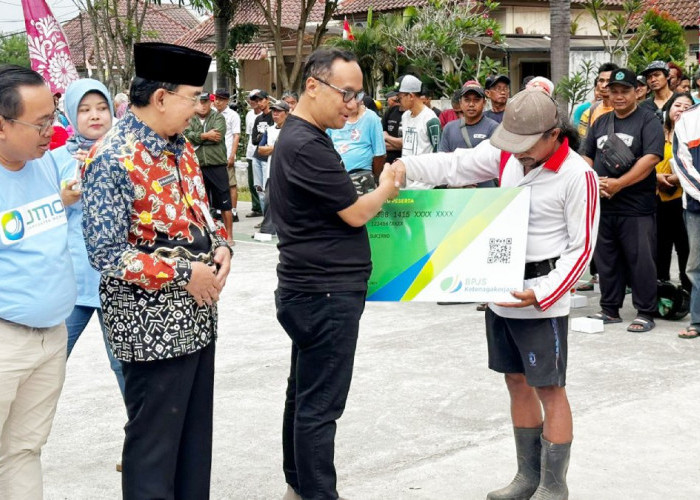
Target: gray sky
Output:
[{"x": 12, "y": 17}]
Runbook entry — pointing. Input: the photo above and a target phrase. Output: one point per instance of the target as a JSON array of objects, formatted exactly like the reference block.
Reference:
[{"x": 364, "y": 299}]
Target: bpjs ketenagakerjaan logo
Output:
[{"x": 31, "y": 219}]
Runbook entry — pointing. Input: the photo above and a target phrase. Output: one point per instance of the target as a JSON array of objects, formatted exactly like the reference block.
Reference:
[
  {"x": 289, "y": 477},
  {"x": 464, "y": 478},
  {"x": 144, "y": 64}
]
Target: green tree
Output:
[
  {"x": 374, "y": 49},
  {"x": 448, "y": 39},
  {"x": 14, "y": 50},
  {"x": 666, "y": 43},
  {"x": 615, "y": 27}
]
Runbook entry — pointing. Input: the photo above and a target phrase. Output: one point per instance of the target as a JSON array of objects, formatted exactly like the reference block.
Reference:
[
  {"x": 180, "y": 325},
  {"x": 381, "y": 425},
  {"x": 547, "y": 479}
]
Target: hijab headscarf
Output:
[{"x": 74, "y": 94}]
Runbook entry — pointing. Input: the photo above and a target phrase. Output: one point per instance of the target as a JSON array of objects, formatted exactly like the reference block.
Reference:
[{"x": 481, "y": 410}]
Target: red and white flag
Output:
[
  {"x": 347, "y": 32},
  {"x": 48, "y": 48}
]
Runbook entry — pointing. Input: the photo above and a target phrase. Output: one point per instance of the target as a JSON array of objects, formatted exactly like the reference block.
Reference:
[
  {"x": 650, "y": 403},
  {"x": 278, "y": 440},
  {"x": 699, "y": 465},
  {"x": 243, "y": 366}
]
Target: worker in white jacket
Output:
[{"x": 527, "y": 338}]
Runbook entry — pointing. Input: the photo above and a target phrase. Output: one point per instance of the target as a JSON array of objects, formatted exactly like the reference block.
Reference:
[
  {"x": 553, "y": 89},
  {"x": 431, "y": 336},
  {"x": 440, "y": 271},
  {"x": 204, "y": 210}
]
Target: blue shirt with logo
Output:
[
  {"x": 86, "y": 278},
  {"x": 358, "y": 143},
  {"x": 38, "y": 286}
]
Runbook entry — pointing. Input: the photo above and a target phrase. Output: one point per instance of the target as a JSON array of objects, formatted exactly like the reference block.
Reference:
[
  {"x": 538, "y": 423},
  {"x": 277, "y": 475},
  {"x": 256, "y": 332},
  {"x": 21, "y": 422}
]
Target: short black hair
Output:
[
  {"x": 141, "y": 90},
  {"x": 608, "y": 66},
  {"x": 12, "y": 77},
  {"x": 320, "y": 62}
]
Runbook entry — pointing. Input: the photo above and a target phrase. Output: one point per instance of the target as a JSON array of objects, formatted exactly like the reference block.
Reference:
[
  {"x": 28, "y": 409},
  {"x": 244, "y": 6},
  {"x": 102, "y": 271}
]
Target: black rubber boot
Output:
[
  {"x": 528, "y": 449},
  {"x": 555, "y": 463}
]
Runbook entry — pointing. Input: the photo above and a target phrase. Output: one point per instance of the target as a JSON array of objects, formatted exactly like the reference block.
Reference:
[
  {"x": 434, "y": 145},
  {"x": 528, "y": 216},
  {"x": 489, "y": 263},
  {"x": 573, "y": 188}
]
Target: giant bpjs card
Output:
[{"x": 450, "y": 245}]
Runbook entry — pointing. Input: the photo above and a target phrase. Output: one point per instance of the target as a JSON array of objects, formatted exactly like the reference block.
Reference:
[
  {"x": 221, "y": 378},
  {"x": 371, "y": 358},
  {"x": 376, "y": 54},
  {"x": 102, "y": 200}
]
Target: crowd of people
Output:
[{"x": 129, "y": 215}]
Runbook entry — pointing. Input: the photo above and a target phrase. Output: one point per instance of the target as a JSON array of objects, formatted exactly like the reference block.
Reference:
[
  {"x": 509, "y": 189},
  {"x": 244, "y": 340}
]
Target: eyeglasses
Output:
[
  {"x": 43, "y": 129},
  {"x": 348, "y": 95},
  {"x": 194, "y": 100}
]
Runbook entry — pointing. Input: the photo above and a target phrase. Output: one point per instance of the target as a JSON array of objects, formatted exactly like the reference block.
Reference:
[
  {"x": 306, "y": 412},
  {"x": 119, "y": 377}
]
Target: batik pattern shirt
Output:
[{"x": 145, "y": 220}]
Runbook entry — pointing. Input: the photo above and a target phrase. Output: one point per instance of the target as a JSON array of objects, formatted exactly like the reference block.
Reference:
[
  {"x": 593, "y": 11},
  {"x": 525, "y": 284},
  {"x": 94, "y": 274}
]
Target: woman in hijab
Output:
[{"x": 88, "y": 105}]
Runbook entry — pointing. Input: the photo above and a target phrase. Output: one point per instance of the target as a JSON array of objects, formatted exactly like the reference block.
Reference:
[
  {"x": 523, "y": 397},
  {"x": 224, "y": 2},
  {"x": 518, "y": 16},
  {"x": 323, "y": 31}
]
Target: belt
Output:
[{"x": 541, "y": 268}]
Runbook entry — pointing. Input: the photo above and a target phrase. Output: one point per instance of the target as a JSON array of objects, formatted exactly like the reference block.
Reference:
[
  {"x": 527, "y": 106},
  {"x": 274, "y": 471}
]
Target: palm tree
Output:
[
  {"x": 374, "y": 51},
  {"x": 560, "y": 27}
]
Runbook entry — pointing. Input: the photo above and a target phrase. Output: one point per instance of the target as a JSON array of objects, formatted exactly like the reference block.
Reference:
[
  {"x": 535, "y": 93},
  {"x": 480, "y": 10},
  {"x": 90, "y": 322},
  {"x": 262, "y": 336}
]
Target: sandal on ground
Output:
[
  {"x": 641, "y": 325},
  {"x": 606, "y": 319},
  {"x": 690, "y": 332}
]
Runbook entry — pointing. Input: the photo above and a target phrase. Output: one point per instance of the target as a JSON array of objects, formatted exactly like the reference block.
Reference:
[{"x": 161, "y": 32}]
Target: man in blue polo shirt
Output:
[{"x": 38, "y": 287}]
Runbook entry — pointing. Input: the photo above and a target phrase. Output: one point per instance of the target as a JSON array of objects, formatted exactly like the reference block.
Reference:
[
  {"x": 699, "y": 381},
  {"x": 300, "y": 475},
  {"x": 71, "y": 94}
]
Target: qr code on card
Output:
[{"x": 499, "y": 250}]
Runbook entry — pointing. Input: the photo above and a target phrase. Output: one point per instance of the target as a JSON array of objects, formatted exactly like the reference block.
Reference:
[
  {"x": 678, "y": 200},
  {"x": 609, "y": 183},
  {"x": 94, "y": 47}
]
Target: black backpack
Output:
[{"x": 673, "y": 301}]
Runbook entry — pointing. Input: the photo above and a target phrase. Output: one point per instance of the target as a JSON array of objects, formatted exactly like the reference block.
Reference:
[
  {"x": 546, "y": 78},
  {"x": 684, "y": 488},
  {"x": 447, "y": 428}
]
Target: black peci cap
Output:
[{"x": 164, "y": 62}]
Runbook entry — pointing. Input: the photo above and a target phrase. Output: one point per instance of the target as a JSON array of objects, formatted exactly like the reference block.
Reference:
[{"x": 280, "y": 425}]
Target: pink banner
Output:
[{"x": 48, "y": 49}]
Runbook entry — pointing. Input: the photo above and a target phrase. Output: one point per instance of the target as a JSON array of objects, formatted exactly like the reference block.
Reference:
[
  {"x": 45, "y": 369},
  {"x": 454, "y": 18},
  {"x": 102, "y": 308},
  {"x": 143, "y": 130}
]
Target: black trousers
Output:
[
  {"x": 625, "y": 253},
  {"x": 167, "y": 447},
  {"x": 323, "y": 328},
  {"x": 670, "y": 232},
  {"x": 254, "y": 200}
]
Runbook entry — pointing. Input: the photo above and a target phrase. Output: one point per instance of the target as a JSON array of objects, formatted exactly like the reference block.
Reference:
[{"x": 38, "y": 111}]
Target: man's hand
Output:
[
  {"x": 212, "y": 135},
  {"x": 609, "y": 187},
  {"x": 204, "y": 285},
  {"x": 526, "y": 298},
  {"x": 222, "y": 257},
  {"x": 231, "y": 161},
  {"x": 70, "y": 196},
  {"x": 388, "y": 178},
  {"x": 664, "y": 183},
  {"x": 400, "y": 175}
]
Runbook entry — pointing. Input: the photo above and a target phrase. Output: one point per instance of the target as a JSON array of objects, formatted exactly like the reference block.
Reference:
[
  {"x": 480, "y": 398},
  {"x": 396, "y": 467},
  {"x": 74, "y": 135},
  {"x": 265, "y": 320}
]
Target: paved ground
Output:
[{"x": 425, "y": 419}]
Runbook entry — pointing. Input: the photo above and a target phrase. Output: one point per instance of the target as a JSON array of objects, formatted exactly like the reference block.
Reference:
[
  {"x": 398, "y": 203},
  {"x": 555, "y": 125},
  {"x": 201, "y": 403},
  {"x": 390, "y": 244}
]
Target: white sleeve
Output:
[
  {"x": 682, "y": 162},
  {"x": 582, "y": 213},
  {"x": 460, "y": 168},
  {"x": 235, "y": 123}
]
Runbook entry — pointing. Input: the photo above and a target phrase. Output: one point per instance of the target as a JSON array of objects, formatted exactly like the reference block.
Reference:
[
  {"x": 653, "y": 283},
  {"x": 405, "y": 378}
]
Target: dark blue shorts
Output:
[{"x": 534, "y": 347}]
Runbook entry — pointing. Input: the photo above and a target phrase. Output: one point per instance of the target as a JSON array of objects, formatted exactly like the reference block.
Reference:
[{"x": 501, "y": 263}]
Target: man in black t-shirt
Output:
[
  {"x": 324, "y": 265},
  {"x": 627, "y": 233},
  {"x": 391, "y": 123}
]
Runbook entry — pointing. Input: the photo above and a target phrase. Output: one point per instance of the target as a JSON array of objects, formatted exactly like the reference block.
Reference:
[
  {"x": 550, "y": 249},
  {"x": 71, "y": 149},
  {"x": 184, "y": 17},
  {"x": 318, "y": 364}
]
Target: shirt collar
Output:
[
  {"x": 153, "y": 142},
  {"x": 555, "y": 161}
]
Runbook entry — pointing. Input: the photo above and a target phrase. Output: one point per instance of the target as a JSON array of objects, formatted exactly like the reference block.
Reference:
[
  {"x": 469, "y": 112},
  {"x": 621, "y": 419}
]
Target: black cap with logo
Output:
[{"x": 623, "y": 76}]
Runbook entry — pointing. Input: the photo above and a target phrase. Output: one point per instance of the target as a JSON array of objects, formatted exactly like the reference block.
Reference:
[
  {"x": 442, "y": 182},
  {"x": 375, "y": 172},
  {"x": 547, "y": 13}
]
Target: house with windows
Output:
[{"x": 525, "y": 24}]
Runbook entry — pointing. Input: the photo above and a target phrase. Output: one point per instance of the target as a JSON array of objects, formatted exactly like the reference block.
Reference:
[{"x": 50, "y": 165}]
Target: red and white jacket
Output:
[{"x": 564, "y": 213}]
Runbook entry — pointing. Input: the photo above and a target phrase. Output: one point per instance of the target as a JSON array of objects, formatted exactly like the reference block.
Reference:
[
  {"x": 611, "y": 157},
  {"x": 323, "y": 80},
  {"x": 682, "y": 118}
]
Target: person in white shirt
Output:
[
  {"x": 527, "y": 338},
  {"x": 233, "y": 135},
  {"x": 280, "y": 112},
  {"x": 250, "y": 117},
  {"x": 420, "y": 126}
]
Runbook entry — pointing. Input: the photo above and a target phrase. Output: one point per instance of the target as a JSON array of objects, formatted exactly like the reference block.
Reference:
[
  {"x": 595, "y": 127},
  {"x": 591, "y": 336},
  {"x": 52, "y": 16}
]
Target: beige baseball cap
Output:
[{"x": 527, "y": 116}]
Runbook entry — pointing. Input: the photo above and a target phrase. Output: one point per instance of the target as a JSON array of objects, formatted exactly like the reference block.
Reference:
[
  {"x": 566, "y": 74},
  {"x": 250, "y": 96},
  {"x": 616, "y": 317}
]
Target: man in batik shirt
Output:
[{"x": 164, "y": 262}]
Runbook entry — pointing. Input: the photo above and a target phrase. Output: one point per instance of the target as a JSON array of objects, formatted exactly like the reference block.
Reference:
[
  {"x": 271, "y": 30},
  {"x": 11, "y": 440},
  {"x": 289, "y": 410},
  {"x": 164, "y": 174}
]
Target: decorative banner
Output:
[
  {"x": 48, "y": 48},
  {"x": 450, "y": 245}
]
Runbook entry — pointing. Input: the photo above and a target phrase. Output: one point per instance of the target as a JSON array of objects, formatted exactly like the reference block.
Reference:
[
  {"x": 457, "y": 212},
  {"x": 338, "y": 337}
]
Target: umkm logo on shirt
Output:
[{"x": 32, "y": 219}]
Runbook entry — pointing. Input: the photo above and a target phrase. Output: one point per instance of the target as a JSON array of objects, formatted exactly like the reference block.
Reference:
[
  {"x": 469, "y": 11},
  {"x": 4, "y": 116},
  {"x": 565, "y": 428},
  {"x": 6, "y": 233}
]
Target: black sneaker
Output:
[
  {"x": 235, "y": 218},
  {"x": 254, "y": 213}
]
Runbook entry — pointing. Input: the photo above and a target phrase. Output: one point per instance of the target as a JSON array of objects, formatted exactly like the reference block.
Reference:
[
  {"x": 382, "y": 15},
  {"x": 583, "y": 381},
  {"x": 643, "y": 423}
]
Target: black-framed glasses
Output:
[
  {"x": 43, "y": 129},
  {"x": 348, "y": 95}
]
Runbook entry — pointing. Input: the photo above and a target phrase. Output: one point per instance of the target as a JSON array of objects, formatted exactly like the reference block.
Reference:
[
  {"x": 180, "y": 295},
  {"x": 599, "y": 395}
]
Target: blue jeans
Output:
[
  {"x": 692, "y": 224},
  {"x": 323, "y": 328},
  {"x": 259, "y": 180},
  {"x": 76, "y": 323}
]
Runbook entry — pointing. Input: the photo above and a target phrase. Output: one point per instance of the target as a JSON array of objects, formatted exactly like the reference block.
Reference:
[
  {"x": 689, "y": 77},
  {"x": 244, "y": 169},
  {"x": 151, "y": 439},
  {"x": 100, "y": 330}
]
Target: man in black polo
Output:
[
  {"x": 324, "y": 267},
  {"x": 627, "y": 236},
  {"x": 657, "y": 75},
  {"x": 391, "y": 123}
]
